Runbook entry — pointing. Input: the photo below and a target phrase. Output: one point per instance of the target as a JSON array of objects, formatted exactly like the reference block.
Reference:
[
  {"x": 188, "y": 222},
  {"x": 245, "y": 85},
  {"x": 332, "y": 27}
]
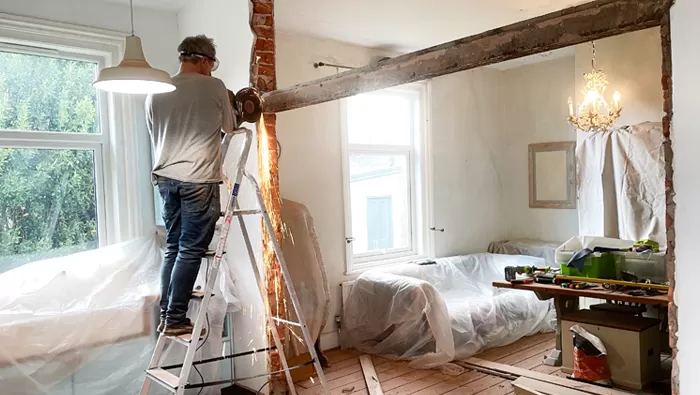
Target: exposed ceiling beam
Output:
[{"x": 571, "y": 26}]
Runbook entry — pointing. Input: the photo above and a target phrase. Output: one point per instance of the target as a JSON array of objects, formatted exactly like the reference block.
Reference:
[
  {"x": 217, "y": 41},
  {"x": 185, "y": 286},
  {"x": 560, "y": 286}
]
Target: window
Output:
[
  {"x": 56, "y": 140},
  {"x": 384, "y": 172}
]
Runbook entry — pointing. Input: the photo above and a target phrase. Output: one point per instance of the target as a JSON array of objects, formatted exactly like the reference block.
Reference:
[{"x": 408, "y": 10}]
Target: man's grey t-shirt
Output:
[{"x": 185, "y": 127}]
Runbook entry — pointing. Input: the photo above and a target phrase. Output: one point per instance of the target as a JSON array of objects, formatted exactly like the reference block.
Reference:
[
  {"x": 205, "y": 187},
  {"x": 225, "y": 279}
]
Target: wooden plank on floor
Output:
[
  {"x": 344, "y": 381},
  {"x": 593, "y": 389},
  {"x": 373, "y": 386},
  {"x": 494, "y": 354},
  {"x": 535, "y": 387}
]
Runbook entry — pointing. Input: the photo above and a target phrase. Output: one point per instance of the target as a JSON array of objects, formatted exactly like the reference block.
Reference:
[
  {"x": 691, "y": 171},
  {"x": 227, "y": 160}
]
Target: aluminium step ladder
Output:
[{"x": 177, "y": 384}]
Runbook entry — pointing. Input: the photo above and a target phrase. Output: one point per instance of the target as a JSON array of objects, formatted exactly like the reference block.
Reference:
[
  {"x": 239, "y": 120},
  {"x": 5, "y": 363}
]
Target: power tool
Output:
[
  {"x": 247, "y": 106},
  {"x": 512, "y": 271}
]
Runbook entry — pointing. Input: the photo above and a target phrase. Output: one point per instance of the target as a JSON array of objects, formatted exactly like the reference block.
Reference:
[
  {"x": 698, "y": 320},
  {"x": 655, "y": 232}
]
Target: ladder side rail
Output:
[
  {"x": 288, "y": 284},
  {"x": 266, "y": 304}
]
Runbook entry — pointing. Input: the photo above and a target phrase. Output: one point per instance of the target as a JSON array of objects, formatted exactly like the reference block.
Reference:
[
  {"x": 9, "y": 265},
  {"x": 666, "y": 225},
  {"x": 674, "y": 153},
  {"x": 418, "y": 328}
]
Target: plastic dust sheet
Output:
[
  {"x": 85, "y": 323},
  {"x": 433, "y": 314}
]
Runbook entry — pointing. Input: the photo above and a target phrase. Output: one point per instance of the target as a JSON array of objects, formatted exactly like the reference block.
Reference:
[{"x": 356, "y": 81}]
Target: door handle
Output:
[{"x": 349, "y": 239}]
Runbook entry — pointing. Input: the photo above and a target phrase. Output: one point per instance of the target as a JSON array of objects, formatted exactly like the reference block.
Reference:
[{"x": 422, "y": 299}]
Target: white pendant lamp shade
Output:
[{"x": 134, "y": 74}]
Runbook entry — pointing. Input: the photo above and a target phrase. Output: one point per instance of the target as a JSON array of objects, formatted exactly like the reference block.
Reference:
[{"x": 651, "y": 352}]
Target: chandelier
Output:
[{"x": 595, "y": 114}]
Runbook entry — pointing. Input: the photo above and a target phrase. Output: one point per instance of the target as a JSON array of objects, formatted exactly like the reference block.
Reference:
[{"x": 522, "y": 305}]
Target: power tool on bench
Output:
[{"x": 511, "y": 272}]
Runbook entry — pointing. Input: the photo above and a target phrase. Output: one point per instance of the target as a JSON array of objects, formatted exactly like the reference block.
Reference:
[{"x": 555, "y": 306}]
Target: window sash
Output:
[
  {"x": 417, "y": 172},
  {"x": 113, "y": 146}
]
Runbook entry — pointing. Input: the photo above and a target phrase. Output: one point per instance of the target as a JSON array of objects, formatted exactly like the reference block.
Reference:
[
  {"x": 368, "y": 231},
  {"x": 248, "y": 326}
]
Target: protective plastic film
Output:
[
  {"x": 85, "y": 323},
  {"x": 433, "y": 314}
]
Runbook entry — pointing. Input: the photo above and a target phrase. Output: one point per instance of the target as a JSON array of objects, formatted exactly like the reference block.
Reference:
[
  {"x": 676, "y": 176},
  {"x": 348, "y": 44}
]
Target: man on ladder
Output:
[{"x": 185, "y": 127}]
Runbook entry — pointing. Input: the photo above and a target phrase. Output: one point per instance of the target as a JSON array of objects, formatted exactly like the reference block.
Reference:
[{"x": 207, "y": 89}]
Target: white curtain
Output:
[{"x": 621, "y": 183}]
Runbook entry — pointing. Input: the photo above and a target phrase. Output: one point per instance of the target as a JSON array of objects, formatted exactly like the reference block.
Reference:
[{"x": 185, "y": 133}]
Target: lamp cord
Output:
[
  {"x": 593, "y": 59},
  {"x": 131, "y": 8}
]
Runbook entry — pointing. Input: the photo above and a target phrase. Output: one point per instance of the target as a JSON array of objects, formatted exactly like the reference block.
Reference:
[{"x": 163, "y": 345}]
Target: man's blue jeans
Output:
[{"x": 190, "y": 212}]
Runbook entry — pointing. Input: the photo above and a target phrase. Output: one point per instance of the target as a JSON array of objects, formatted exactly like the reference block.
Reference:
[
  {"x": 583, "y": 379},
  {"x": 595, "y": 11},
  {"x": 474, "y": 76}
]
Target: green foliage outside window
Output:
[{"x": 47, "y": 196}]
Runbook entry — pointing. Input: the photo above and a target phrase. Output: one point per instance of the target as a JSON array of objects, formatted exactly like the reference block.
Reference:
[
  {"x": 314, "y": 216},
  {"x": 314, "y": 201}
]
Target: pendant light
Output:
[{"x": 134, "y": 74}]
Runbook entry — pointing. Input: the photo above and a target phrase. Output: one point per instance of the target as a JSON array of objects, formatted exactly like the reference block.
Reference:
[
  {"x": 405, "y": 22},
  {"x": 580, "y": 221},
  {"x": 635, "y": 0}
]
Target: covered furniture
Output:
[{"x": 435, "y": 313}]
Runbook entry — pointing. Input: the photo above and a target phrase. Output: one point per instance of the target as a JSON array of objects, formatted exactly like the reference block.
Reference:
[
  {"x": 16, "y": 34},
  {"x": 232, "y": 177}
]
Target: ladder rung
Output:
[
  {"x": 185, "y": 339},
  {"x": 242, "y": 212},
  {"x": 212, "y": 253},
  {"x": 198, "y": 295},
  {"x": 164, "y": 378},
  {"x": 246, "y": 212},
  {"x": 286, "y": 321}
]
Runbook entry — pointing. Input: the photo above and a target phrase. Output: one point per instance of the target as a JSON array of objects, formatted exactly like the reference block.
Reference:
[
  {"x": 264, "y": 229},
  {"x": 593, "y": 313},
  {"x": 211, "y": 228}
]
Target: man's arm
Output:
[{"x": 226, "y": 109}]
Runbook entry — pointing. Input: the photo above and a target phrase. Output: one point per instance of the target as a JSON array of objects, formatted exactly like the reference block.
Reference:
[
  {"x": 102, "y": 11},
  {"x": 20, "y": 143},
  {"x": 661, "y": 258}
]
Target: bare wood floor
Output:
[{"x": 397, "y": 378}]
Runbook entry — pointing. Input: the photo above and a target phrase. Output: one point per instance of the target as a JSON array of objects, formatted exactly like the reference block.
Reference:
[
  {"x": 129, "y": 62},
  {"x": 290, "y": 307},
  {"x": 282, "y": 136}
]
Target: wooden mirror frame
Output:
[{"x": 570, "y": 149}]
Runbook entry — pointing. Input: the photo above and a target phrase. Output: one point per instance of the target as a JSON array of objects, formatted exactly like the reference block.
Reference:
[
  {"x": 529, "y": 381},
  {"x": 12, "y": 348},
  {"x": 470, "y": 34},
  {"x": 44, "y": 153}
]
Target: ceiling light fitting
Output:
[
  {"x": 595, "y": 114},
  {"x": 134, "y": 75}
]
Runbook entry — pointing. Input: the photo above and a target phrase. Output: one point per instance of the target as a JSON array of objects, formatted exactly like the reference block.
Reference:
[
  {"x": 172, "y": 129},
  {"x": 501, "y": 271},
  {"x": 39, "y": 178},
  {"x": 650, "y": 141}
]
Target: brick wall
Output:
[{"x": 262, "y": 77}]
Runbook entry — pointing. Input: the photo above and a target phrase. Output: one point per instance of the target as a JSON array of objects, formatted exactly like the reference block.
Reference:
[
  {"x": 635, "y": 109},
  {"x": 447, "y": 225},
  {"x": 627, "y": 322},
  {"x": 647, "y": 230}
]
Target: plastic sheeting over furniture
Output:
[
  {"x": 435, "y": 313},
  {"x": 303, "y": 256},
  {"x": 84, "y": 323},
  {"x": 538, "y": 248}
]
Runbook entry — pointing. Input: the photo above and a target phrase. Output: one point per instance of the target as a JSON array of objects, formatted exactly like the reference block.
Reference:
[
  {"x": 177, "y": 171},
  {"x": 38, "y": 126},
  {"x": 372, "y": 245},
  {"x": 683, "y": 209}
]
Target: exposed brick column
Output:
[
  {"x": 667, "y": 86},
  {"x": 262, "y": 77}
]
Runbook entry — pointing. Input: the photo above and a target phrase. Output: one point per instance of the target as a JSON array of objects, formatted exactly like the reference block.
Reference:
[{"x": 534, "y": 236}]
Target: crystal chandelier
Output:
[{"x": 595, "y": 114}]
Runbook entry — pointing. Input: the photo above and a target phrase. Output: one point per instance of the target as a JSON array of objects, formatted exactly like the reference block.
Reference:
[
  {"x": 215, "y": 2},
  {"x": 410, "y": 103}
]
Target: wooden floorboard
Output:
[{"x": 345, "y": 377}]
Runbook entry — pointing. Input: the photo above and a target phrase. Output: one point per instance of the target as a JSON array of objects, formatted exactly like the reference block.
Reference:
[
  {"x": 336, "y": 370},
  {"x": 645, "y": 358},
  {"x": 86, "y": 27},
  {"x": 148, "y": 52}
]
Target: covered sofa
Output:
[{"x": 435, "y": 313}]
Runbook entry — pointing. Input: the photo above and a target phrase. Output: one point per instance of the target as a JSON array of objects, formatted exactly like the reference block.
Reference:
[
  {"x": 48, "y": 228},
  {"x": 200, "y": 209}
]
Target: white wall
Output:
[
  {"x": 467, "y": 147},
  {"x": 535, "y": 99},
  {"x": 685, "y": 31},
  {"x": 310, "y": 165},
  {"x": 632, "y": 63},
  {"x": 227, "y": 23}
]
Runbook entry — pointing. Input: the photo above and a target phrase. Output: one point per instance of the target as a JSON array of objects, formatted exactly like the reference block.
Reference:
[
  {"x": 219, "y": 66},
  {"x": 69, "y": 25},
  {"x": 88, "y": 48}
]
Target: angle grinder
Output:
[{"x": 247, "y": 106}]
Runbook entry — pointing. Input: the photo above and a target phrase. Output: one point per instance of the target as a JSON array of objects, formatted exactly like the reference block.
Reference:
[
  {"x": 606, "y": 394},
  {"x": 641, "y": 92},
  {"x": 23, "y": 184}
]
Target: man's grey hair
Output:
[{"x": 200, "y": 44}]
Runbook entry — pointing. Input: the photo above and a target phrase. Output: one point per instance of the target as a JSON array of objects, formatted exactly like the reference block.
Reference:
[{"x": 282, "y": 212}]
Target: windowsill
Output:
[{"x": 383, "y": 263}]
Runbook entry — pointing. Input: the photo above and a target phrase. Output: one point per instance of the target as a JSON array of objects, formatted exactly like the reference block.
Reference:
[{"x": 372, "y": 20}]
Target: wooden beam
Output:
[
  {"x": 478, "y": 364},
  {"x": 373, "y": 386},
  {"x": 571, "y": 26}
]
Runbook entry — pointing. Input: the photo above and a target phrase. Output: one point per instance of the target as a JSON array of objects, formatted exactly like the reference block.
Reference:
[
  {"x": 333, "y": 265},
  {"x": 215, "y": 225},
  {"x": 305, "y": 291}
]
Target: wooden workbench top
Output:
[{"x": 597, "y": 293}]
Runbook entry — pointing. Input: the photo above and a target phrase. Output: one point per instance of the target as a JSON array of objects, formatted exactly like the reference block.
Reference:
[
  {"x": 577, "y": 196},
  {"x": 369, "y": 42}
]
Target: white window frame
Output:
[
  {"x": 115, "y": 148},
  {"x": 419, "y": 185}
]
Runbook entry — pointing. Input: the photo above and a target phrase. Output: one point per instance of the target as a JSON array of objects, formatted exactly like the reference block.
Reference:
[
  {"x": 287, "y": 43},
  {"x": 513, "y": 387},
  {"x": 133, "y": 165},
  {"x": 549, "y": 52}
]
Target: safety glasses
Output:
[{"x": 201, "y": 55}]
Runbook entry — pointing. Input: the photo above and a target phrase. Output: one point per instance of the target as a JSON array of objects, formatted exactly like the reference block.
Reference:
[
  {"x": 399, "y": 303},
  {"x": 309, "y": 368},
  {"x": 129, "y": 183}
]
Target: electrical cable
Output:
[{"x": 263, "y": 386}]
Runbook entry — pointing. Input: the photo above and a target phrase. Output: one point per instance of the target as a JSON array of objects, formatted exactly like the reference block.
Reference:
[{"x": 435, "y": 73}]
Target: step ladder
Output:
[{"x": 177, "y": 384}]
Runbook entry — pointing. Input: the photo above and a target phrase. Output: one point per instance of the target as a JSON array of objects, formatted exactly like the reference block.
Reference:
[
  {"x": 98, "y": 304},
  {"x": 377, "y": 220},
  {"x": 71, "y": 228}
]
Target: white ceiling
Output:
[
  {"x": 397, "y": 25},
  {"x": 405, "y": 25}
]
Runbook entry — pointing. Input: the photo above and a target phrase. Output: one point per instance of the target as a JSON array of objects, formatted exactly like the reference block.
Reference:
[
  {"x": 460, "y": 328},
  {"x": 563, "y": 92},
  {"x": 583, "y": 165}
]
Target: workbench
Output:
[{"x": 567, "y": 300}]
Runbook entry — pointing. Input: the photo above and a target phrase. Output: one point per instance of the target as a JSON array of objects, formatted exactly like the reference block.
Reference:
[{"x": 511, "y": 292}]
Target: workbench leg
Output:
[{"x": 562, "y": 305}]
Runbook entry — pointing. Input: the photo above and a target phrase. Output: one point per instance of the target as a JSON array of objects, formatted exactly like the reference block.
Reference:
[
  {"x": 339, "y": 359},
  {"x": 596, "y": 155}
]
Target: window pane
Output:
[
  {"x": 47, "y": 204},
  {"x": 48, "y": 94},
  {"x": 380, "y": 118},
  {"x": 379, "y": 198}
]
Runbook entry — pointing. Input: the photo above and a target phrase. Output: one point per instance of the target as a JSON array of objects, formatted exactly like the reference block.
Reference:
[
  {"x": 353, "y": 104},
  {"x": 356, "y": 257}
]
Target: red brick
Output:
[
  {"x": 266, "y": 70},
  {"x": 262, "y": 7},
  {"x": 262, "y": 44},
  {"x": 263, "y": 20},
  {"x": 264, "y": 32},
  {"x": 265, "y": 57}
]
